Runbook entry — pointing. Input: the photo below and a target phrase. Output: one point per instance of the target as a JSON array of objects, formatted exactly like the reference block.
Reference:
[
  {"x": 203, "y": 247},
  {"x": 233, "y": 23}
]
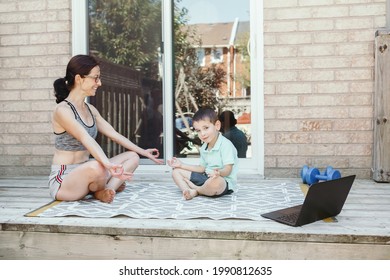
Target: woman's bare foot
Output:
[
  {"x": 106, "y": 195},
  {"x": 121, "y": 187},
  {"x": 190, "y": 194}
]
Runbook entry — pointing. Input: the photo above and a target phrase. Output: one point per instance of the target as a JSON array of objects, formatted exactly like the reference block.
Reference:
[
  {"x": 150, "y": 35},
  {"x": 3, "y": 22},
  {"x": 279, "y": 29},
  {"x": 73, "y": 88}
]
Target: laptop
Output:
[{"x": 323, "y": 200}]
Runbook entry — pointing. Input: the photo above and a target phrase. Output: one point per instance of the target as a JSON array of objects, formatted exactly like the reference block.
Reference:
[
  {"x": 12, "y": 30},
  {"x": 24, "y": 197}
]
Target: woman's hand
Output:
[
  {"x": 153, "y": 154},
  {"x": 117, "y": 171},
  {"x": 174, "y": 163}
]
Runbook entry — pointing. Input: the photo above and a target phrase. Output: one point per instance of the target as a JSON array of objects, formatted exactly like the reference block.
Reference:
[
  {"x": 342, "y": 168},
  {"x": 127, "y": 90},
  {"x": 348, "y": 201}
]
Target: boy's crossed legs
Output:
[{"x": 193, "y": 184}]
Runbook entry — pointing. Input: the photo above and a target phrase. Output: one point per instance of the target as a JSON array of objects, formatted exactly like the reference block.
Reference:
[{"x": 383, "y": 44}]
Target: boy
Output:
[{"x": 216, "y": 174}]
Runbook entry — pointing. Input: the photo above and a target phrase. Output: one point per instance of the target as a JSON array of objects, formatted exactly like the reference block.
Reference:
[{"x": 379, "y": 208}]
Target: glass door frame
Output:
[{"x": 253, "y": 165}]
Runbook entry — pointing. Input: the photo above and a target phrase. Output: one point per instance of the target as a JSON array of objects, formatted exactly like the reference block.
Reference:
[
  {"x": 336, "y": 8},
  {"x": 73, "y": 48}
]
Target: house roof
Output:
[{"x": 218, "y": 34}]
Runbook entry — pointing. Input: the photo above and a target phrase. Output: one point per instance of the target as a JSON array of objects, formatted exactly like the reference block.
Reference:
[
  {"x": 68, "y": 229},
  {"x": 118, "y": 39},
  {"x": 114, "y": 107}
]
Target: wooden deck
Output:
[{"x": 362, "y": 231}]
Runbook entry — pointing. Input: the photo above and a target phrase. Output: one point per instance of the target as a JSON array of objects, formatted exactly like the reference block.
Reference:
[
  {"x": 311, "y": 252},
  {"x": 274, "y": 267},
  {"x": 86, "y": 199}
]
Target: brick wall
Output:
[
  {"x": 319, "y": 84},
  {"x": 34, "y": 49}
]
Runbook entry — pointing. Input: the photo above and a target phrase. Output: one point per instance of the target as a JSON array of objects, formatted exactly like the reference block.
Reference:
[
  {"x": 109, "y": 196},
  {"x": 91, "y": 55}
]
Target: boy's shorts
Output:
[{"x": 200, "y": 178}]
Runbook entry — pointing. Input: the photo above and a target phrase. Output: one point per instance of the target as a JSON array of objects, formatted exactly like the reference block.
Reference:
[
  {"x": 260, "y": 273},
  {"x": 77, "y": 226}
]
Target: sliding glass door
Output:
[
  {"x": 212, "y": 68},
  {"x": 163, "y": 59},
  {"x": 126, "y": 37}
]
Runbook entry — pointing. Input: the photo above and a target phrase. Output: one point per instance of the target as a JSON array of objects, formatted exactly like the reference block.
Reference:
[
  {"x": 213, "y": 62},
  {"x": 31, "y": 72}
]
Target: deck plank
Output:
[{"x": 364, "y": 220}]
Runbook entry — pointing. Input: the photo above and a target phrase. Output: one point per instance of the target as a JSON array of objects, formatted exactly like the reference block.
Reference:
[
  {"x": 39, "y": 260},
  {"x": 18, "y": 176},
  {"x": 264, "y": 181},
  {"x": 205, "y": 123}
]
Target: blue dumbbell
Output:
[
  {"x": 304, "y": 171},
  {"x": 312, "y": 175}
]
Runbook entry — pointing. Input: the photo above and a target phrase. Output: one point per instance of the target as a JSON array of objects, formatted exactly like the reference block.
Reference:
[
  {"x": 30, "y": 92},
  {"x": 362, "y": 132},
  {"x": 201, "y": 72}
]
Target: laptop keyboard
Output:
[{"x": 290, "y": 218}]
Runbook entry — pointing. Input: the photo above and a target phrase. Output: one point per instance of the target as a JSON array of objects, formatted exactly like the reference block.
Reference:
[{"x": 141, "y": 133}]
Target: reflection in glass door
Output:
[
  {"x": 212, "y": 68},
  {"x": 126, "y": 38}
]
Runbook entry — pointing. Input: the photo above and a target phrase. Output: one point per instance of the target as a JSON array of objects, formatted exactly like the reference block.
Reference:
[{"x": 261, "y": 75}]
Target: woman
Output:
[{"x": 76, "y": 124}]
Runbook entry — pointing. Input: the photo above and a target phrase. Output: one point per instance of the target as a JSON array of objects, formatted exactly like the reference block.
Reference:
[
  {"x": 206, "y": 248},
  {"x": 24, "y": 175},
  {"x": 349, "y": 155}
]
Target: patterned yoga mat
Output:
[{"x": 164, "y": 201}]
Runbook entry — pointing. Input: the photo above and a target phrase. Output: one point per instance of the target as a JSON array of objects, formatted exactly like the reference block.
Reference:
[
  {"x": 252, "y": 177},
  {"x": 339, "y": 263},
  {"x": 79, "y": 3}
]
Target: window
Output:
[
  {"x": 217, "y": 55},
  {"x": 200, "y": 54}
]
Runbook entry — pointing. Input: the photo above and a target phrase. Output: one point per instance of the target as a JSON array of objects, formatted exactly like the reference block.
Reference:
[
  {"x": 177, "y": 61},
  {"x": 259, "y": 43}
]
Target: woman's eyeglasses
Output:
[{"x": 96, "y": 78}]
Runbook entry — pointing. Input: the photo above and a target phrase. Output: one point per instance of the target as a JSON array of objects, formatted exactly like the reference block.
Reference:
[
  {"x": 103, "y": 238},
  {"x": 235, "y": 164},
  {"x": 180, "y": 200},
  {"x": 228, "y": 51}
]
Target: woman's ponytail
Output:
[{"x": 61, "y": 90}]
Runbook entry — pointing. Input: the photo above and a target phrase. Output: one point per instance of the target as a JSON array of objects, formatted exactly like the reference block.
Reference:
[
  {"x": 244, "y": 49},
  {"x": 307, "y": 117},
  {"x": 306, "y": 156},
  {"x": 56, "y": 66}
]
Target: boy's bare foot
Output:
[
  {"x": 106, "y": 195},
  {"x": 190, "y": 194},
  {"x": 121, "y": 187}
]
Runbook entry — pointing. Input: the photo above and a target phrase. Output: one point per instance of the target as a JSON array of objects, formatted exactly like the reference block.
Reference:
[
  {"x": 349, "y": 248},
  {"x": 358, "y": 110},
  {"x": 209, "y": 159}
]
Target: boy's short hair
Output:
[{"x": 205, "y": 113}]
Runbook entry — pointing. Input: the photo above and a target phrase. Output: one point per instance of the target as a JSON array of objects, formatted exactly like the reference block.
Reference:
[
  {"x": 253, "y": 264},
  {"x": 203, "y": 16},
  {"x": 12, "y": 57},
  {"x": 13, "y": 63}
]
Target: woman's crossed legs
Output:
[{"x": 93, "y": 177}]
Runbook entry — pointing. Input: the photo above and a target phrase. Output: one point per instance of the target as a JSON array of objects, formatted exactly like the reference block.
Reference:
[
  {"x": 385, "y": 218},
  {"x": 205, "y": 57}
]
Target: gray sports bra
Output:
[{"x": 66, "y": 142}]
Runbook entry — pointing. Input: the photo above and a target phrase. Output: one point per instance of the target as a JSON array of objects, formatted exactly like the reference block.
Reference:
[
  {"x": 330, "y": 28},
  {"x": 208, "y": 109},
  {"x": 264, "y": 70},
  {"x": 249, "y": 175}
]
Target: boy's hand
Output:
[
  {"x": 215, "y": 173},
  {"x": 174, "y": 163}
]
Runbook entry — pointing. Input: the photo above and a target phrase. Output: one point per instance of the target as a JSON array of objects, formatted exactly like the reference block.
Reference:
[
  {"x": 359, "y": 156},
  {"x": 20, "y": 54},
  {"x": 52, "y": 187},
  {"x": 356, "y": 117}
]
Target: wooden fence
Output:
[{"x": 120, "y": 101}]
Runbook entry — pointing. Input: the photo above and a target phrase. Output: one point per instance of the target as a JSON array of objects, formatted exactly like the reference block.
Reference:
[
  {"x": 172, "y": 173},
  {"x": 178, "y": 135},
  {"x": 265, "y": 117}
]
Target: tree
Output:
[
  {"x": 199, "y": 85},
  {"x": 126, "y": 32},
  {"x": 243, "y": 48}
]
